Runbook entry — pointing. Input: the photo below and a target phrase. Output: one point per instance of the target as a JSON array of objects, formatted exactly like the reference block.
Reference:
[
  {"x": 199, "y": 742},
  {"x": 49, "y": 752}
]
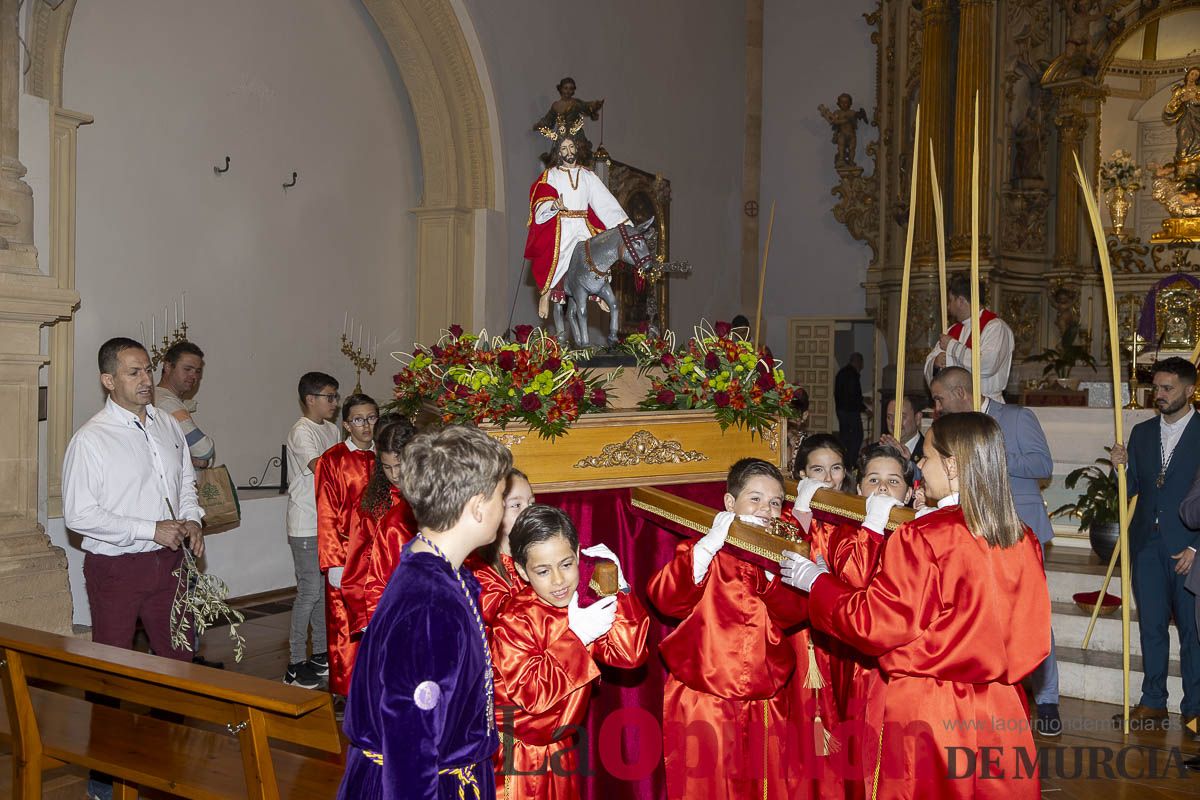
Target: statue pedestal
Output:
[{"x": 1177, "y": 228}]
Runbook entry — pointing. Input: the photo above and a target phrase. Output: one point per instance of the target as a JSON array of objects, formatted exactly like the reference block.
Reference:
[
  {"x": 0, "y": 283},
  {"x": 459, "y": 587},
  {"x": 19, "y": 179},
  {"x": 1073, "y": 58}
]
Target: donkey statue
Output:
[{"x": 589, "y": 274}]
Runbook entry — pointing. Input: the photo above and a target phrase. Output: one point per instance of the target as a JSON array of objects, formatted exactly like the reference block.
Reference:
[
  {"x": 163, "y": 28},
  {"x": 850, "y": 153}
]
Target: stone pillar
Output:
[
  {"x": 445, "y": 271},
  {"x": 64, "y": 138},
  {"x": 752, "y": 157},
  {"x": 33, "y": 575},
  {"x": 935, "y": 119},
  {"x": 974, "y": 77},
  {"x": 1072, "y": 130}
]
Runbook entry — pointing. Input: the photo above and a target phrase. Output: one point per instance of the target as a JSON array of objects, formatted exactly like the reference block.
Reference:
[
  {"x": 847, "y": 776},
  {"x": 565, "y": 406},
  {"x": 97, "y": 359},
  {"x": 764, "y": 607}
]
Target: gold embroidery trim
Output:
[{"x": 509, "y": 440}]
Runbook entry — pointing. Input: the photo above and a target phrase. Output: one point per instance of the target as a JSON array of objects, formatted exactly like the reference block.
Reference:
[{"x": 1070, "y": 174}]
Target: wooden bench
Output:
[{"x": 240, "y": 736}]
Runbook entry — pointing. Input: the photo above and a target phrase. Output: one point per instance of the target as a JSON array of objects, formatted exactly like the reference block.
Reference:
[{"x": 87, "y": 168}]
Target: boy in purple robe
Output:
[{"x": 419, "y": 714}]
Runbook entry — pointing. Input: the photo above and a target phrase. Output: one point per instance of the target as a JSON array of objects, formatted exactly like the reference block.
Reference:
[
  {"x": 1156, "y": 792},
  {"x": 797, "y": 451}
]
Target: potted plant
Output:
[
  {"x": 1096, "y": 506},
  {"x": 1061, "y": 360}
]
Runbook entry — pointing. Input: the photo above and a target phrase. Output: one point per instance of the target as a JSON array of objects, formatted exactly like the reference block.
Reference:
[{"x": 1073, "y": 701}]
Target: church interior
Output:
[{"x": 347, "y": 186}]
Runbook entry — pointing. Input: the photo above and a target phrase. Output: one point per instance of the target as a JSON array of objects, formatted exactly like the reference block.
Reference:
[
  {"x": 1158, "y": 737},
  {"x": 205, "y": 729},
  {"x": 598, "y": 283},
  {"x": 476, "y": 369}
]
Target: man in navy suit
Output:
[
  {"x": 1162, "y": 458},
  {"x": 1029, "y": 462},
  {"x": 1189, "y": 512}
]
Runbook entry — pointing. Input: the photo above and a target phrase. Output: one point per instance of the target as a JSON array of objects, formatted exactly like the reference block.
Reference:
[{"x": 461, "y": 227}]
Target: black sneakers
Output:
[
  {"x": 319, "y": 663},
  {"x": 1048, "y": 722},
  {"x": 302, "y": 674}
]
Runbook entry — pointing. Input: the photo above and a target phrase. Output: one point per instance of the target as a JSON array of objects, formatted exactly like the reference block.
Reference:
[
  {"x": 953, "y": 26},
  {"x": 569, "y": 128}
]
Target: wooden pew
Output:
[{"x": 241, "y": 736}]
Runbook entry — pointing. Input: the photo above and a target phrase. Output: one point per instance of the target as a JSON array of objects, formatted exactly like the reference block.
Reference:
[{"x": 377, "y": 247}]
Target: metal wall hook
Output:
[
  {"x": 219, "y": 170},
  {"x": 293, "y": 183}
]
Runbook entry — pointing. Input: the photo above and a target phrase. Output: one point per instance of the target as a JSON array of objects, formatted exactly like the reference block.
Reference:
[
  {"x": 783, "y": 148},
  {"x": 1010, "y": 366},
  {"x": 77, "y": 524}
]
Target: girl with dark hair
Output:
[
  {"x": 546, "y": 649},
  {"x": 367, "y": 517},
  {"x": 493, "y": 565},
  {"x": 957, "y": 614}
]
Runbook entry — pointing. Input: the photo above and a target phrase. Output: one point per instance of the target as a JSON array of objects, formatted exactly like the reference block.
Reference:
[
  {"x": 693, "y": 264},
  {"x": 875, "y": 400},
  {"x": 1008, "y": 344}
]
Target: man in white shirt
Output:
[
  {"x": 954, "y": 346},
  {"x": 130, "y": 492},
  {"x": 309, "y": 438}
]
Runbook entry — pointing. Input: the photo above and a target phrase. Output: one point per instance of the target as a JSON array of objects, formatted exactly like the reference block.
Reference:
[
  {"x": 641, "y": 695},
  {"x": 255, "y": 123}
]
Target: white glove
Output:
[
  {"x": 710, "y": 544},
  {"x": 590, "y": 623},
  {"x": 602, "y": 551},
  {"x": 334, "y": 574},
  {"x": 799, "y": 572},
  {"x": 879, "y": 508},
  {"x": 770, "y": 575},
  {"x": 804, "y": 494}
]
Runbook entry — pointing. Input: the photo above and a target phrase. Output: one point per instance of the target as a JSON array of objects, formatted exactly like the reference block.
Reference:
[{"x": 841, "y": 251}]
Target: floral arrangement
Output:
[
  {"x": 718, "y": 369},
  {"x": 1120, "y": 172},
  {"x": 468, "y": 377}
]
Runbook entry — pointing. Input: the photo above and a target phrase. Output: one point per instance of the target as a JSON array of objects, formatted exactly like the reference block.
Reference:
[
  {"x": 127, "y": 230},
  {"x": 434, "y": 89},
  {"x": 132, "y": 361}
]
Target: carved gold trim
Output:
[
  {"x": 641, "y": 448},
  {"x": 509, "y": 440},
  {"x": 678, "y": 520},
  {"x": 772, "y": 437}
]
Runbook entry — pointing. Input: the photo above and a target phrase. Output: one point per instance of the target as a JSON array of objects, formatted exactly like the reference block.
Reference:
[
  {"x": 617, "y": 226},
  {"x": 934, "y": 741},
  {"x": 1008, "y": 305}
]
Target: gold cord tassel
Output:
[
  {"x": 814, "y": 679},
  {"x": 826, "y": 743}
]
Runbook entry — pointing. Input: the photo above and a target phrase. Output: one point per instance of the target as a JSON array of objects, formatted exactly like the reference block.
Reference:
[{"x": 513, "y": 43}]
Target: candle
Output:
[
  {"x": 345, "y": 322},
  {"x": 142, "y": 325},
  {"x": 908, "y": 248},
  {"x": 164, "y": 322},
  {"x": 977, "y": 346},
  {"x": 359, "y": 343},
  {"x": 183, "y": 307},
  {"x": 153, "y": 332},
  {"x": 176, "y": 314}
]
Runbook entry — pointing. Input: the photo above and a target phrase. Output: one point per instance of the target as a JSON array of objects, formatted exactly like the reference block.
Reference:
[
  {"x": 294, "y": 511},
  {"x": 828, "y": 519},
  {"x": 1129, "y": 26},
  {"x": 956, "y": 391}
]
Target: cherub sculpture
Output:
[{"x": 844, "y": 122}]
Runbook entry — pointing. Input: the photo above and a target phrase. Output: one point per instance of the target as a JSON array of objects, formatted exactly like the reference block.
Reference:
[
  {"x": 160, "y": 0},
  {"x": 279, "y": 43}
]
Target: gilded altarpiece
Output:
[{"x": 1044, "y": 70}]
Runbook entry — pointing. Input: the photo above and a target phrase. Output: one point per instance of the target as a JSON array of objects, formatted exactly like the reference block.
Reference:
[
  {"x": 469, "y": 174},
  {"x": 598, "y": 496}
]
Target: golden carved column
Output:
[
  {"x": 1072, "y": 128},
  {"x": 935, "y": 115},
  {"x": 974, "y": 76},
  {"x": 34, "y": 590}
]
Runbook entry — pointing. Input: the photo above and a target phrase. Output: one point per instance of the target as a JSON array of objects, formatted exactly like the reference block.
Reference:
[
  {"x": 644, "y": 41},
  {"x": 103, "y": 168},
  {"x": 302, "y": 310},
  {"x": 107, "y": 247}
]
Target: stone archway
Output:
[{"x": 458, "y": 162}]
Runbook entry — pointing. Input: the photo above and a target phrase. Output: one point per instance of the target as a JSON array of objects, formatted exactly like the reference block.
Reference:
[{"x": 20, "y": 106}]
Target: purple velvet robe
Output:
[{"x": 417, "y": 696}]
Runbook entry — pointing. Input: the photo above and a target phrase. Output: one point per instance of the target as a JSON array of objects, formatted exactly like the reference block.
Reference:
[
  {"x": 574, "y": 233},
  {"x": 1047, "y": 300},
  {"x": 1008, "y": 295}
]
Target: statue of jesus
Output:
[{"x": 567, "y": 205}]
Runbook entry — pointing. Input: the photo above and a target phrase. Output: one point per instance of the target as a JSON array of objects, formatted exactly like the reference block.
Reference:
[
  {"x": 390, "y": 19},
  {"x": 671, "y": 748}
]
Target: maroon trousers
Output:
[{"x": 122, "y": 589}]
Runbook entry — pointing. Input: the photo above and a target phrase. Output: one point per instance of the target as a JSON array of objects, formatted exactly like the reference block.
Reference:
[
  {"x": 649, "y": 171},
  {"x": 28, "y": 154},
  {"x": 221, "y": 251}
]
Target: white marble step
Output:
[
  {"x": 1095, "y": 675},
  {"x": 1070, "y": 570}
]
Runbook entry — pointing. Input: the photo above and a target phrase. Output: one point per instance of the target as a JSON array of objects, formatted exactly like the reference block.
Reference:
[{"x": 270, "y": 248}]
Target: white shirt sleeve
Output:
[
  {"x": 929, "y": 359},
  {"x": 83, "y": 479},
  {"x": 304, "y": 442},
  {"x": 995, "y": 357}
]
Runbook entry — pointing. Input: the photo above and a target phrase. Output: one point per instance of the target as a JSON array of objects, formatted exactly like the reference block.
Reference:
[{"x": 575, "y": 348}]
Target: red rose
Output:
[
  {"x": 721, "y": 399},
  {"x": 552, "y": 364},
  {"x": 666, "y": 397},
  {"x": 506, "y": 360},
  {"x": 436, "y": 351},
  {"x": 712, "y": 361},
  {"x": 461, "y": 390},
  {"x": 398, "y": 378},
  {"x": 522, "y": 333},
  {"x": 765, "y": 381},
  {"x": 531, "y": 402},
  {"x": 456, "y": 330},
  {"x": 668, "y": 360},
  {"x": 644, "y": 326},
  {"x": 722, "y": 329},
  {"x": 576, "y": 388},
  {"x": 599, "y": 397}
]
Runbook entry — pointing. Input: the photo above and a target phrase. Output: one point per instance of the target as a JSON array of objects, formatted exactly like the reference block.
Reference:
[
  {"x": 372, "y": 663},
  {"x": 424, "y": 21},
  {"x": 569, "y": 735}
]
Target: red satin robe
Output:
[
  {"x": 341, "y": 476},
  {"x": 543, "y": 678},
  {"x": 396, "y": 529},
  {"x": 955, "y": 625},
  {"x": 727, "y": 700},
  {"x": 364, "y": 529},
  {"x": 495, "y": 592},
  {"x": 853, "y": 557}
]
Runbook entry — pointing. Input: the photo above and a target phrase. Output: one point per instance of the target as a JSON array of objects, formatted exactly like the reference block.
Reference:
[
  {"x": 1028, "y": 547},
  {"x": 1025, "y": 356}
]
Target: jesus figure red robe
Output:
[
  {"x": 727, "y": 703},
  {"x": 956, "y": 625},
  {"x": 341, "y": 476},
  {"x": 544, "y": 677}
]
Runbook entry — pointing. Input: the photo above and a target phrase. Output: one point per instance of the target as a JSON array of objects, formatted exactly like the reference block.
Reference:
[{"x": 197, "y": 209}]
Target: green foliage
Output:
[
  {"x": 1097, "y": 504},
  {"x": 200, "y": 600},
  {"x": 1061, "y": 360}
]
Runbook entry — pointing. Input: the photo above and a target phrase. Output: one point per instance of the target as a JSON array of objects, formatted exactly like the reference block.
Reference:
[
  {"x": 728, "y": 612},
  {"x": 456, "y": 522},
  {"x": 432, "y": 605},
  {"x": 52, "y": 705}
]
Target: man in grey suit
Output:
[{"x": 1029, "y": 461}]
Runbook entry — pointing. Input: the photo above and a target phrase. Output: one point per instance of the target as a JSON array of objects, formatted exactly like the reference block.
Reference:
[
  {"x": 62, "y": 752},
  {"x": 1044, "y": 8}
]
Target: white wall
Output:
[
  {"x": 672, "y": 73},
  {"x": 812, "y": 52},
  {"x": 277, "y": 85}
]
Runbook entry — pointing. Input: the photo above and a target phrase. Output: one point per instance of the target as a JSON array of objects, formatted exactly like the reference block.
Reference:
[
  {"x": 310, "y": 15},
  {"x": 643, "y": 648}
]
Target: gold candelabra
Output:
[
  {"x": 158, "y": 351},
  {"x": 362, "y": 359}
]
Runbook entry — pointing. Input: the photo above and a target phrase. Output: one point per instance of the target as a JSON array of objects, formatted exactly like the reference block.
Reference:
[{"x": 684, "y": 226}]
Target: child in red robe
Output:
[
  {"x": 545, "y": 648},
  {"x": 366, "y": 518},
  {"x": 729, "y": 661},
  {"x": 957, "y": 614},
  {"x": 396, "y": 529},
  {"x": 341, "y": 476},
  {"x": 493, "y": 565}
]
